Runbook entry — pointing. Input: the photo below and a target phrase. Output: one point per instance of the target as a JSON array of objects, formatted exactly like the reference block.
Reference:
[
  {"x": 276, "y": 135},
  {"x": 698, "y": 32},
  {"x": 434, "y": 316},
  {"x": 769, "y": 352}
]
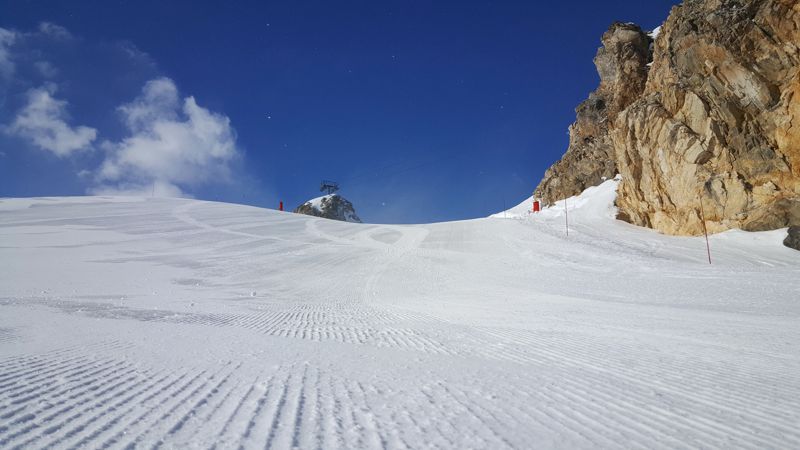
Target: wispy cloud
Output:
[
  {"x": 46, "y": 69},
  {"x": 156, "y": 188},
  {"x": 173, "y": 143},
  {"x": 14, "y": 45},
  {"x": 43, "y": 122},
  {"x": 7, "y": 38},
  {"x": 55, "y": 31}
]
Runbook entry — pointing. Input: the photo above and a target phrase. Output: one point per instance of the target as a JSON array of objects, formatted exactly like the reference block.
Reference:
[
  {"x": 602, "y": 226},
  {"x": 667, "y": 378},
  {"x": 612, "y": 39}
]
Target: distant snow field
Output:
[{"x": 180, "y": 323}]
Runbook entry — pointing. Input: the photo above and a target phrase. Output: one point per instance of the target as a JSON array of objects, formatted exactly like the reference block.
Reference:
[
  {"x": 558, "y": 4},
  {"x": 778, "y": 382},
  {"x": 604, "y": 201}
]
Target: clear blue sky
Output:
[{"x": 423, "y": 111}]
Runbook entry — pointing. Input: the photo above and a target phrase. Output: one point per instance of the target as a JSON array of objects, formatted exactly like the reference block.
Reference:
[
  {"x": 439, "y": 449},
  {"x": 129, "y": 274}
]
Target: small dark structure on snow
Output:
[{"x": 328, "y": 186}]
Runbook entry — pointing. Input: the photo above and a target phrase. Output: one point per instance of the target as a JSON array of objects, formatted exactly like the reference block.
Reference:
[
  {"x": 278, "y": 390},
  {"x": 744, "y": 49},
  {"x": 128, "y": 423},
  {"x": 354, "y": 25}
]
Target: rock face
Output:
[
  {"x": 713, "y": 130},
  {"x": 332, "y": 206},
  {"x": 590, "y": 158}
]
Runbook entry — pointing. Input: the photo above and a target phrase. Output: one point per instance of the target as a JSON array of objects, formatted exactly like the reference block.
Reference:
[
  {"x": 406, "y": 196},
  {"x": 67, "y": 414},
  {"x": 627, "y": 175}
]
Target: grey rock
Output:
[
  {"x": 333, "y": 206},
  {"x": 793, "y": 239}
]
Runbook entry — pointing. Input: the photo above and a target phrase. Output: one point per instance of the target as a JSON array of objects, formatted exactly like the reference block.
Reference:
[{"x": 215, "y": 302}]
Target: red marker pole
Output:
[
  {"x": 705, "y": 230},
  {"x": 281, "y": 206}
]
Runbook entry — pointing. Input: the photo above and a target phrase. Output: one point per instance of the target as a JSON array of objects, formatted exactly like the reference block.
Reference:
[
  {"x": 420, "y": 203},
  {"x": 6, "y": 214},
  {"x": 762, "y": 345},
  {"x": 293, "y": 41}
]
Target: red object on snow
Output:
[
  {"x": 281, "y": 206},
  {"x": 536, "y": 207}
]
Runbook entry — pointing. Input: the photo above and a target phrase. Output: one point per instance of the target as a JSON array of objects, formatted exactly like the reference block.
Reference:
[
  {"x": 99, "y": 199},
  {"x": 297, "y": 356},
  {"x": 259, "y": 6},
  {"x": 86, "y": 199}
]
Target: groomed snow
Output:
[{"x": 181, "y": 323}]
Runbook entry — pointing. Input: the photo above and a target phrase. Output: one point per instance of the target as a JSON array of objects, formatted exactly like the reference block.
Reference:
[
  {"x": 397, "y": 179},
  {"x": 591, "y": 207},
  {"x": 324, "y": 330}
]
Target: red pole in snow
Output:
[
  {"x": 705, "y": 230},
  {"x": 281, "y": 205}
]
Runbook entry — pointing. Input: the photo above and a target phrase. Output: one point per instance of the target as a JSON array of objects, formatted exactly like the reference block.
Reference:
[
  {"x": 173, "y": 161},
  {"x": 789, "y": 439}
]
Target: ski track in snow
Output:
[{"x": 177, "y": 323}]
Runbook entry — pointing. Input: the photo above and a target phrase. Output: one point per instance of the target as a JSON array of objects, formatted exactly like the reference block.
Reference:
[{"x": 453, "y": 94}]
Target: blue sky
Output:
[{"x": 423, "y": 111}]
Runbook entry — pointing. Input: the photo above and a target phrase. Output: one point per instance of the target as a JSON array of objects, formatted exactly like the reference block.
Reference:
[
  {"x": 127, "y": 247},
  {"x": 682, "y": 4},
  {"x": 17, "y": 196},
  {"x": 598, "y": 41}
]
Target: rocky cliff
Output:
[
  {"x": 590, "y": 158},
  {"x": 332, "y": 206},
  {"x": 701, "y": 122}
]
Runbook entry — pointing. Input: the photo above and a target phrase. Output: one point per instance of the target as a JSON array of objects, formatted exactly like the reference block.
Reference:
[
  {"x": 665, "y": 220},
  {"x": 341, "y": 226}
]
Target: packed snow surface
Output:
[{"x": 181, "y": 323}]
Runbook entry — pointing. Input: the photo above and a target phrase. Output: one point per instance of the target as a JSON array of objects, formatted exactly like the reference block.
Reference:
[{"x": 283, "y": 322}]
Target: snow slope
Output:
[{"x": 181, "y": 323}]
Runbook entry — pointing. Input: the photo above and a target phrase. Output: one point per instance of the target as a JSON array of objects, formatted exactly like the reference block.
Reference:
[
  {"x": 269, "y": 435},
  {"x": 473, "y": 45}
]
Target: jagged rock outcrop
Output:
[
  {"x": 332, "y": 206},
  {"x": 716, "y": 130},
  {"x": 622, "y": 65}
]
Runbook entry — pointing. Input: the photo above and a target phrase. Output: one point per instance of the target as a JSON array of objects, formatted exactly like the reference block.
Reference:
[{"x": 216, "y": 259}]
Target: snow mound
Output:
[{"x": 596, "y": 203}]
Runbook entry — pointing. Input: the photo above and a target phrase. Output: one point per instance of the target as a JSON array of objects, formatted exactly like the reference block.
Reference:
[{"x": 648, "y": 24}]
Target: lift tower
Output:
[{"x": 328, "y": 186}]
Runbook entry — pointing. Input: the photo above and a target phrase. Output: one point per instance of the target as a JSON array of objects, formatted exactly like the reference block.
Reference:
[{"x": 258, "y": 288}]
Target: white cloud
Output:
[
  {"x": 7, "y": 39},
  {"x": 172, "y": 143},
  {"x": 43, "y": 121},
  {"x": 158, "y": 102},
  {"x": 55, "y": 31}
]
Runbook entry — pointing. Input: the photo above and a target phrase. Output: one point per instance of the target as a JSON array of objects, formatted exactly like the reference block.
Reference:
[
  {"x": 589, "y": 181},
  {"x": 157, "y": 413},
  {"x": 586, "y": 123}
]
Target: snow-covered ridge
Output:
[
  {"x": 316, "y": 203},
  {"x": 656, "y": 31},
  {"x": 331, "y": 206}
]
